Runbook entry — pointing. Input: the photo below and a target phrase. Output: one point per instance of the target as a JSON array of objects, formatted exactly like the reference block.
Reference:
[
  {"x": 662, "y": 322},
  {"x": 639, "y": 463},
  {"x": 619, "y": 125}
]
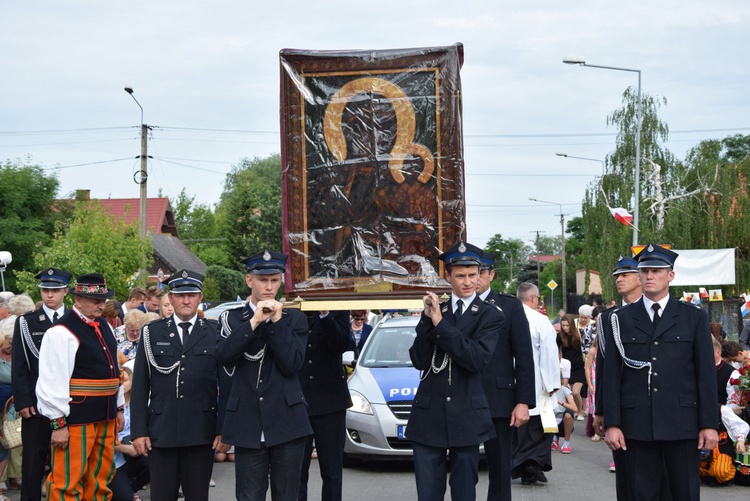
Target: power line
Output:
[
  {"x": 252, "y": 131},
  {"x": 90, "y": 163},
  {"x": 62, "y": 131}
]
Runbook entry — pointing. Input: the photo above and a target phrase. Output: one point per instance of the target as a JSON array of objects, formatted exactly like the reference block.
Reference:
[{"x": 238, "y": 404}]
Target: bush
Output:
[{"x": 222, "y": 284}]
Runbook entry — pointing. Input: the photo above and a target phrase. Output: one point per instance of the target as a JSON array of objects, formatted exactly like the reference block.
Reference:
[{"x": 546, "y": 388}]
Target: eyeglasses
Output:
[{"x": 360, "y": 319}]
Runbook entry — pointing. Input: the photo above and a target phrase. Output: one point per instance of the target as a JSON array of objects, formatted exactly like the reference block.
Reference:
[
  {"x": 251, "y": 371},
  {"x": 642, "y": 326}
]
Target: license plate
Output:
[{"x": 402, "y": 432}]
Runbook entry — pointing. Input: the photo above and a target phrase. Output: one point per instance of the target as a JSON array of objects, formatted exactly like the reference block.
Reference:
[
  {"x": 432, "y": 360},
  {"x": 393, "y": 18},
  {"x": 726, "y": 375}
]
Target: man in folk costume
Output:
[
  {"x": 174, "y": 416},
  {"x": 27, "y": 338},
  {"x": 78, "y": 391},
  {"x": 454, "y": 342}
]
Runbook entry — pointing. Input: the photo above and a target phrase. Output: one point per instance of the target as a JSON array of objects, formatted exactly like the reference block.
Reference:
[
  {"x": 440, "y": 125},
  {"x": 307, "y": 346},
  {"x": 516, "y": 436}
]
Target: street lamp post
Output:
[
  {"x": 581, "y": 61},
  {"x": 564, "y": 262},
  {"x": 560, "y": 154},
  {"x": 143, "y": 174}
]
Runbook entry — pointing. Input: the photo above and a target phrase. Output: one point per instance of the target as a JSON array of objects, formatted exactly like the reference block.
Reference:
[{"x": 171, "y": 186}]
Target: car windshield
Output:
[{"x": 389, "y": 347}]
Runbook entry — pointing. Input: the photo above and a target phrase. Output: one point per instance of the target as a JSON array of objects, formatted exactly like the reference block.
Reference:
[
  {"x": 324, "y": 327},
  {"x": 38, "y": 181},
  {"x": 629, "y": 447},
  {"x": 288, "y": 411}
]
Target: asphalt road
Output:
[{"x": 581, "y": 476}]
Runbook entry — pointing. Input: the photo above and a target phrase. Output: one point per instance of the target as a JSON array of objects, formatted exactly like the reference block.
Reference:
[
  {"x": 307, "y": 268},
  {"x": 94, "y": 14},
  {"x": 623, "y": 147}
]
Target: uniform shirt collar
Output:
[
  {"x": 467, "y": 301},
  {"x": 51, "y": 313},
  {"x": 662, "y": 303}
]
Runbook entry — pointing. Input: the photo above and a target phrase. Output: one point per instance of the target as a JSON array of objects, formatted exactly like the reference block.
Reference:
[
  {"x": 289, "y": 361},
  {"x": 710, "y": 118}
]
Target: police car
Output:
[{"x": 382, "y": 388}]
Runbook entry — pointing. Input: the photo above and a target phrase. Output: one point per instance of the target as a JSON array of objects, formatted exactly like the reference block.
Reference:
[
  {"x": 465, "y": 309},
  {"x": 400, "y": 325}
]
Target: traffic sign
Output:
[{"x": 552, "y": 285}]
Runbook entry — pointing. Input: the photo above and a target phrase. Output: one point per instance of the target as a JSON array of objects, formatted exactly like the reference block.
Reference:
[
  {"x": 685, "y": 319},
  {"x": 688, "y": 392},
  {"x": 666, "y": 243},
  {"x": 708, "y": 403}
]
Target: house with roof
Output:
[{"x": 170, "y": 254}]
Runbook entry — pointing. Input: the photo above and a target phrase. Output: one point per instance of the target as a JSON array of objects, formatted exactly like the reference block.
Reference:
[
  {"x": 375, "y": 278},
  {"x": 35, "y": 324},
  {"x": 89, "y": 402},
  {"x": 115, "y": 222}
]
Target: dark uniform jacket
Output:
[
  {"x": 174, "y": 389},
  {"x": 603, "y": 330},
  {"x": 266, "y": 394},
  {"x": 682, "y": 398},
  {"x": 454, "y": 414},
  {"x": 322, "y": 376},
  {"x": 508, "y": 378},
  {"x": 27, "y": 339}
]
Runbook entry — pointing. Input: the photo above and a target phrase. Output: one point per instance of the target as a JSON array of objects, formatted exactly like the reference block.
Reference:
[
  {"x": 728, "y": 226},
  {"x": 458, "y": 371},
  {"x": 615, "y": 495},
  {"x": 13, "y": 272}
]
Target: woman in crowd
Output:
[
  {"x": 112, "y": 313},
  {"x": 569, "y": 341},
  {"x": 584, "y": 324},
  {"x": 359, "y": 330},
  {"x": 591, "y": 391},
  {"x": 129, "y": 339},
  {"x": 6, "y": 388},
  {"x": 165, "y": 307}
]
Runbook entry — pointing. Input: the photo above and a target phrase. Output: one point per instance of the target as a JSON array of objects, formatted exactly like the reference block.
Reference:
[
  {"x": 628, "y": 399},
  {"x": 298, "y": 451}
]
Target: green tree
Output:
[
  {"x": 93, "y": 241},
  {"x": 528, "y": 273},
  {"x": 225, "y": 284},
  {"x": 251, "y": 206},
  {"x": 510, "y": 254},
  {"x": 201, "y": 230},
  {"x": 549, "y": 245},
  {"x": 715, "y": 217},
  {"x": 27, "y": 214},
  {"x": 604, "y": 238}
]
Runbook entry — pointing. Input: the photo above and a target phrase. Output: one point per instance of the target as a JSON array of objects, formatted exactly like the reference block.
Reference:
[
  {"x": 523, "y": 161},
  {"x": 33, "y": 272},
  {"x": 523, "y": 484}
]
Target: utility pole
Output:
[
  {"x": 562, "y": 239},
  {"x": 142, "y": 177},
  {"x": 564, "y": 262}
]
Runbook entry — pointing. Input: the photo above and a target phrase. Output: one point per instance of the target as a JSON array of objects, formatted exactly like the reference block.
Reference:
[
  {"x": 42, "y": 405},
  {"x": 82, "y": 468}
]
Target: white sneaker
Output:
[{"x": 212, "y": 483}]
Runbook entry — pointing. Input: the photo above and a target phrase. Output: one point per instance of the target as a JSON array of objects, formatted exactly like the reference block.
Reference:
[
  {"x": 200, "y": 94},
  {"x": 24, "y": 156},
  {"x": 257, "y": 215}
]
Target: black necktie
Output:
[
  {"x": 459, "y": 310},
  {"x": 185, "y": 331},
  {"x": 657, "y": 317},
  {"x": 55, "y": 317}
]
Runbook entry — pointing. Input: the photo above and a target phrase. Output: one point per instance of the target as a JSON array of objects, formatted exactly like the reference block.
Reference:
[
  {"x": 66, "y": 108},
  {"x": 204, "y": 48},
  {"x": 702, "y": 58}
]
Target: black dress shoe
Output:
[
  {"x": 528, "y": 481},
  {"x": 536, "y": 473}
]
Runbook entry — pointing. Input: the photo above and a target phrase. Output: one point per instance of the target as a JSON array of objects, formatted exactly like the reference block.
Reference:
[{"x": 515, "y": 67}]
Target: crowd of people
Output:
[{"x": 117, "y": 397}]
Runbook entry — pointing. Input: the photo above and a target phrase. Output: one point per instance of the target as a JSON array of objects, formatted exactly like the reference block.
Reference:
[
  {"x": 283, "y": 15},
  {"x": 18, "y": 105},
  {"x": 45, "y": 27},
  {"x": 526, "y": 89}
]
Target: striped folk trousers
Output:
[{"x": 82, "y": 470}]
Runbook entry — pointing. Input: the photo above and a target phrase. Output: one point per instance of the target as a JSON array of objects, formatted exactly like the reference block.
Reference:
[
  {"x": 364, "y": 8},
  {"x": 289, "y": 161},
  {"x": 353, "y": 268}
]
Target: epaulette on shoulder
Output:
[
  {"x": 241, "y": 311},
  {"x": 211, "y": 321},
  {"x": 491, "y": 302},
  {"x": 33, "y": 313},
  {"x": 620, "y": 308},
  {"x": 507, "y": 295}
]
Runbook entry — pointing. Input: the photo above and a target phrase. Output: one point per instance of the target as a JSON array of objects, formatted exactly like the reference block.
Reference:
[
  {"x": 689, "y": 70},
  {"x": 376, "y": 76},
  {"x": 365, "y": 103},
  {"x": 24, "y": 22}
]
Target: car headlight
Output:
[{"x": 359, "y": 403}]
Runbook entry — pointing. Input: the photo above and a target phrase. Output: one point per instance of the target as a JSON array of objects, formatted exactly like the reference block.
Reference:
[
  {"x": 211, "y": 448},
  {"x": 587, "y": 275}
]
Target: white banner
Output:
[{"x": 704, "y": 267}]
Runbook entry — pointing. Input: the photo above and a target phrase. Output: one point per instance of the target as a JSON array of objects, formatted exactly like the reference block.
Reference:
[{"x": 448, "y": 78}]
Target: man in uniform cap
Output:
[
  {"x": 174, "y": 418},
  {"x": 27, "y": 339},
  {"x": 508, "y": 380},
  {"x": 454, "y": 342},
  {"x": 78, "y": 391},
  {"x": 628, "y": 286},
  {"x": 266, "y": 415},
  {"x": 659, "y": 385}
]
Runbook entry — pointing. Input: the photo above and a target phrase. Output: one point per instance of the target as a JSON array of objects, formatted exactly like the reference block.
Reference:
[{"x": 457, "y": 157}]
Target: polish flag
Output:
[
  {"x": 622, "y": 215},
  {"x": 745, "y": 308}
]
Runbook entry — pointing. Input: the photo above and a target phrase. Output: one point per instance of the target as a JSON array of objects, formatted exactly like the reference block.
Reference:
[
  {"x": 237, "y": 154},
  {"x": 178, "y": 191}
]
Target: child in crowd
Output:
[
  {"x": 564, "y": 369},
  {"x": 565, "y": 409},
  {"x": 727, "y": 462}
]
